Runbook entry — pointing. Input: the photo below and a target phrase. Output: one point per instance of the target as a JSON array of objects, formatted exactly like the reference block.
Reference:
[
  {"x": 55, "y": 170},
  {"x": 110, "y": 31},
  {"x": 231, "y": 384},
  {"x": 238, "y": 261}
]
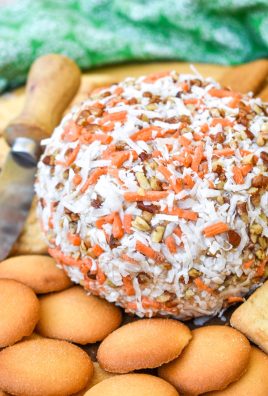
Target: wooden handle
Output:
[
  {"x": 52, "y": 82},
  {"x": 248, "y": 77}
]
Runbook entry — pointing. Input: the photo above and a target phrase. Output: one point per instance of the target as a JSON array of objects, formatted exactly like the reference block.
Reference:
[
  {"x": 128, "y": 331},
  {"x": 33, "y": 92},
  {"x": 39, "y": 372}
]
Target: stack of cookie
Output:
[{"x": 43, "y": 316}]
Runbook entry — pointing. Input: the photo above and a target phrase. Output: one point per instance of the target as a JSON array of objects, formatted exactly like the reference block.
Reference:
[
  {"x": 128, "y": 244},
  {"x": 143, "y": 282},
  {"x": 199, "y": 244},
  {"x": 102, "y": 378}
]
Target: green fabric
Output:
[{"x": 97, "y": 32}]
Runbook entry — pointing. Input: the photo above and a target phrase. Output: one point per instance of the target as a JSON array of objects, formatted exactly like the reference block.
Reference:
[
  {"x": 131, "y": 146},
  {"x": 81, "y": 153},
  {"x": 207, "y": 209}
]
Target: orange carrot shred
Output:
[
  {"x": 88, "y": 138},
  {"x": 77, "y": 179},
  {"x": 149, "y": 252},
  {"x": 184, "y": 141},
  {"x": 245, "y": 169},
  {"x": 177, "y": 231},
  {"x": 226, "y": 152},
  {"x": 127, "y": 223},
  {"x": 237, "y": 175},
  {"x": 261, "y": 268},
  {"x": 215, "y": 229},
  {"x": 155, "y": 76},
  {"x": 223, "y": 93},
  {"x": 248, "y": 264},
  {"x": 115, "y": 117},
  {"x": 147, "y": 196},
  {"x": 131, "y": 260},
  {"x": 97, "y": 250},
  {"x": 74, "y": 239},
  {"x": 101, "y": 277},
  {"x": 149, "y": 303},
  {"x": 105, "y": 219},
  {"x": 234, "y": 299},
  {"x": 145, "y": 134},
  {"x": 171, "y": 244},
  {"x": 71, "y": 157},
  {"x": 197, "y": 157},
  {"x": 223, "y": 121},
  {"x": 93, "y": 178},
  {"x": 117, "y": 229},
  {"x": 202, "y": 286},
  {"x": 176, "y": 185},
  {"x": 68, "y": 260},
  {"x": 182, "y": 213},
  {"x": 71, "y": 132},
  {"x": 128, "y": 286}
]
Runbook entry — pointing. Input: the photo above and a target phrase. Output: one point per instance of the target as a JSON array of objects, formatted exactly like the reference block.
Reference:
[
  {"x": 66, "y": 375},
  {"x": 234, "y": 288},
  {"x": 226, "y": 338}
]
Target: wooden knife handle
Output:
[{"x": 52, "y": 82}]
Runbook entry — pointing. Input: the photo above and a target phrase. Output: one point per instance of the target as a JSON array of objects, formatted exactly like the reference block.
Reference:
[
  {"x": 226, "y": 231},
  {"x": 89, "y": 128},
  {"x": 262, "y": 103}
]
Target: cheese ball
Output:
[{"x": 153, "y": 194}]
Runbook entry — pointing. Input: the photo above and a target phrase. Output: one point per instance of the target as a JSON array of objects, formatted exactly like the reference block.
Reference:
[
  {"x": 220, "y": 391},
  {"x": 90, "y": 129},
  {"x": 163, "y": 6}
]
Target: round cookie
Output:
[
  {"x": 38, "y": 272},
  {"x": 99, "y": 375},
  {"x": 216, "y": 356},
  {"x": 19, "y": 311},
  {"x": 133, "y": 385},
  {"x": 146, "y": 343},
  {"x": 44, "y": 367},
  {"x": 75, "y": 316},
  {"x": 254, "y": 382}
]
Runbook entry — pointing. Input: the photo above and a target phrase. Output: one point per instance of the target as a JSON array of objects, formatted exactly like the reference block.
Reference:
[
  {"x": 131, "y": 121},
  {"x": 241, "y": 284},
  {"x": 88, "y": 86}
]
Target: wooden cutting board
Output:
[{"x": 30, "y": 241}]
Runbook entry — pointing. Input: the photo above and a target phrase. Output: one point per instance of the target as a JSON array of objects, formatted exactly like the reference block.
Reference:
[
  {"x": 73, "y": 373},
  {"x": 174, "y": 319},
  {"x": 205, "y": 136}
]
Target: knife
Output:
[{"x": 52, "y": 83}]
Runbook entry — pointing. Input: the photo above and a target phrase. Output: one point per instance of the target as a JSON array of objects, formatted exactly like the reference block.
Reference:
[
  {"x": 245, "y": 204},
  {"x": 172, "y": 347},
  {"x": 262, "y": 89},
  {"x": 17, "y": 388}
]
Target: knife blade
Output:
[
  {"x": 16, "y": 193},
  {"x": 52, "y": 83}
]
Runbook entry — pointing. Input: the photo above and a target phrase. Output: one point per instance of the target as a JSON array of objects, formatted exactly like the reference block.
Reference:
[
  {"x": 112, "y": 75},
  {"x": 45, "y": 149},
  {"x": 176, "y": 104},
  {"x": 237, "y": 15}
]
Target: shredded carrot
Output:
[
  {"x": 71, "y": 157},
  {"x": 191, "y": 101},
  {"x": 204, "y": 128},
  {"x": 101, "y": 277},
  {"x": 261, "y": 268},
  {"x": 128, "y": 286},
  {"x": 147, "y": 196},
  {"x": 234, "y": 103},
  {"x": 117, "y": 229},
  {"x": 149, "y": 303},
  {"x": 99, "y": 89},
  {"x": 171, "y": 244},
  {"x": 129, "y": 259},
  {"x": 237, "y": 175},
  {"x": 114, "y": 117},
  {"x": 185, "y": 86},
  {"x": 156, "y": 76},
  {"x": 68, "y": 260},
  {"x": 223, "y": 121},
  {"x": 188, "y": 181},
  {"x": 248, "y": 264},
  {"x": 197, "y": 157},
  {"x": 245, "y": 169},
  {"x": 93, "y": 178},
  {"x": 114, "y": 173},
  {"x": 197, "y": 137},
  {"x": 226, "y": 152},
  {"x": 202, "y": 286},
  {"x": 108, "y": 127},
  {"x": 234, "y": 299},
  {"x": 118, "y": 90},
  {"x": 176, "y": 185},
  {"x": 223, "y": 93},
  {"x": 71, "y": 132},
  {"x": 105, "y": 219},
  {"x": 97, "y": 250},
  {"x": 177, "y": 231},
  {"x": 127, "y": 223},
  {"x": 182, "y": 213},
  {"x": 156, "y": 154},
  {"x": 184, "y": 141},
  {"x": 131, "y": 306},
  {"x": 74, "y": 239},
  {"x": 119, "y": 157},
  {"x": 215, "y": 229},
  {"x": 145, "y": 134},
  {"x": 88, "y": 138},
  {"x": 149, "y": 252},
  {"x": 77, "y": 179}
]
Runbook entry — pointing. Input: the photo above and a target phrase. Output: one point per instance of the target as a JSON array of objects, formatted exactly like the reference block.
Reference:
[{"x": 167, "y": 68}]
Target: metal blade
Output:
[{"x": 16, "y": 193}]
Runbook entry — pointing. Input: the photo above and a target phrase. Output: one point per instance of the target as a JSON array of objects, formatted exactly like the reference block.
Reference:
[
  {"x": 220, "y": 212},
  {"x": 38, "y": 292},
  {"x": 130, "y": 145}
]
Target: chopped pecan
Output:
[
  {"x": 147, "y": 94},
  {"x": 143, "y": 278},
  {"x": 49, "y": 160},
  {"x": 91, "y": 128},
  {"x": 96, "y": 203},
  {"x": 113, "y": 242},
  {"x": 97, "y": 111},
  {"x": 132, "y": 101},
  {"x": 255, "y": 199},
  {"x": 249, "y": 134},
  {"x": 82, "y": 117},
  {"x": 144, "y": 156},
  {"x": 264, "y": 157},
  {"x": 148, "y": 208},
  {"x": 260, "y": 181},
  {"x": 234, "y": 238}
]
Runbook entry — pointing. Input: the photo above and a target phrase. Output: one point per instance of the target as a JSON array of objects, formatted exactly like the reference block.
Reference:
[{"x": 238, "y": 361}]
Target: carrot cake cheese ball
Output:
[{"x": 153, "y": 195}]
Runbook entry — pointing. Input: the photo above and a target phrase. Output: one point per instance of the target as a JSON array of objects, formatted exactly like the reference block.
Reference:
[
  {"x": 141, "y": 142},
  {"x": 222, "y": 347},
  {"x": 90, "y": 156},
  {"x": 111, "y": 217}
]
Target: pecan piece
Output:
[
  {"x": 264, "y": 157},
  {"x": 234, "y": 238},
  {"x": 148, "y": 208},
  {"x": 260, "y": 181}
]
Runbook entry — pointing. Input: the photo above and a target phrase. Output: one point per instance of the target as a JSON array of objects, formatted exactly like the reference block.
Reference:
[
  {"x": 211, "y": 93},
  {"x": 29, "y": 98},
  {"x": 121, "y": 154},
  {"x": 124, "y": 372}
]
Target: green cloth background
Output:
[{"x": 97, "y": 32}]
